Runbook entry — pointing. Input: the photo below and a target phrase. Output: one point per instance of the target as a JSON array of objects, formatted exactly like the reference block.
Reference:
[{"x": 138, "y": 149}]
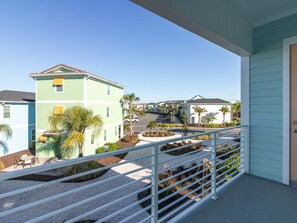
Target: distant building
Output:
[
  {"x": 62, "y": 86},
  {"x": 212, "y": 105},
  {"x": 17, "y": 109}
]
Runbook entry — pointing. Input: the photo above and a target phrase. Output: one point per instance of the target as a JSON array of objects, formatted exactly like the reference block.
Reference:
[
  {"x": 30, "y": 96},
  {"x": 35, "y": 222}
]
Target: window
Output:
[
  {"x": 115, "y": 130},
  {"x": 105, "y": 138},
  {"x": 59, "y": 88},
  {"x": 108, "y": 89},
  {"x": 107, "y": 112},
  {"x": 33, "y": 135},
  {"x": 6, "y": 112},
  {"x": 92, "y": 139},
  {"x": 58, "y": 110},
  {"x": 58, "y": 83}
]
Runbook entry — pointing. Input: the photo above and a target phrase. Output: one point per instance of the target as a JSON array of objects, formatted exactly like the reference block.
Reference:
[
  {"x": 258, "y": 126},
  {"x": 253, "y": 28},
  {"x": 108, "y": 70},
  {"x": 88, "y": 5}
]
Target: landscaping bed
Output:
[
  {"x": 99, "y": 163},
  {"x": 183, "y": 192},
  {"x": 181, "y": 151},
  {"x": 157, "y": 134}
]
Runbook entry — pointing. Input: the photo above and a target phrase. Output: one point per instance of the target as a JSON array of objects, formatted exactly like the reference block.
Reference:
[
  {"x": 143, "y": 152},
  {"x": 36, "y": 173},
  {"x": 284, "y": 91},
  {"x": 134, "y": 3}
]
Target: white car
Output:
[{"x": 134, "y": 120}]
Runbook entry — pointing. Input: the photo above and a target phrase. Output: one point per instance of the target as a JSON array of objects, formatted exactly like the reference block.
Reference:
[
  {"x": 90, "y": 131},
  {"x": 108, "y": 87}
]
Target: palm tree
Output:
[
  {"x": 236, "y": 107},
  {"x": 152, "y": 125},
  {"x": 7, "y": 132},
  {"x": 75, "y": 121},
  {"x": 224, "y": 110},
  {"x": 130, "y": 99},
  {"x": 199, "y": 111}
]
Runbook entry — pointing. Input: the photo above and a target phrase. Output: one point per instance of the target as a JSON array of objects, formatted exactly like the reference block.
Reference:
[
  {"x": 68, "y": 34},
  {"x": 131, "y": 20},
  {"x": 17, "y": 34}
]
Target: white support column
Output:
[
  {"x": 245, "y": 102},
  {"x": 155, "y": 184},
  {"x": 214, "y": 166}
]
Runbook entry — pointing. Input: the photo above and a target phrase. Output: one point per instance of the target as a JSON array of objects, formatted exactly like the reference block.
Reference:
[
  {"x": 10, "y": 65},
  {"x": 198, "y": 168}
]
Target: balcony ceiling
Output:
[
  {"x": 259, "y": 12},
  {"x": 227, "y": 23}
]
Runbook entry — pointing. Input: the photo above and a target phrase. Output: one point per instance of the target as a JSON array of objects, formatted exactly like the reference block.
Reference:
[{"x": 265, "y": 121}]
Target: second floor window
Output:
[
  {"x": 92, "y": 139},
  {"x": 6, "y": 112},
  {"x": 59, "y": 88},
  {"x": 107, "y": 112},
  {"x": 108, "y": 89},
  {"x": 105, "y": 135},
  {"x": 58, "y": 84}
]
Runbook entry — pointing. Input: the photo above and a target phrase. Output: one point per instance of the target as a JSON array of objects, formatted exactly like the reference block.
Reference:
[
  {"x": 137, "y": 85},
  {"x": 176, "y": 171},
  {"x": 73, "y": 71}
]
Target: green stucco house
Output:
[{"x": 62, "y": 86}]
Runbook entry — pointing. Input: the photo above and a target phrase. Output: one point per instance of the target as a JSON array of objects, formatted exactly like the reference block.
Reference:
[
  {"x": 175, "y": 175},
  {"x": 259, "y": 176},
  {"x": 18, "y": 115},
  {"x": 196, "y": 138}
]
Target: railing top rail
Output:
[{"x": 65, "y": 163}]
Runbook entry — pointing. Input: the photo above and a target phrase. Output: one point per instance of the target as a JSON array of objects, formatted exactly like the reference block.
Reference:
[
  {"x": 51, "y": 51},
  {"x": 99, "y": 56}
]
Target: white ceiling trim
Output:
[{"x": 276, "y": 16}]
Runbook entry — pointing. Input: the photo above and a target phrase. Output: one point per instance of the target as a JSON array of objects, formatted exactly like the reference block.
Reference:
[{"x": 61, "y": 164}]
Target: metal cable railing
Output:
[{"x": 142, "y": 187}]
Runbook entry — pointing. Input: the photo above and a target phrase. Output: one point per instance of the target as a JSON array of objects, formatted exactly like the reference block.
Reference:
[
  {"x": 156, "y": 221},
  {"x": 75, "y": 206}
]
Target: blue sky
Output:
[{"x": 115, "y": 39}]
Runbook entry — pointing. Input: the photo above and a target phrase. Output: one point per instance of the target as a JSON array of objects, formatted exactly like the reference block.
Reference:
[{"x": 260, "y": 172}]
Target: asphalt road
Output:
[{"x": 141, "y": 125}]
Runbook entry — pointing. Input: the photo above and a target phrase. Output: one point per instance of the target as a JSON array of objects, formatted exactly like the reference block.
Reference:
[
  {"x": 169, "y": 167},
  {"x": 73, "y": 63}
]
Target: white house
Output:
[{"x": 212, "y": 106}]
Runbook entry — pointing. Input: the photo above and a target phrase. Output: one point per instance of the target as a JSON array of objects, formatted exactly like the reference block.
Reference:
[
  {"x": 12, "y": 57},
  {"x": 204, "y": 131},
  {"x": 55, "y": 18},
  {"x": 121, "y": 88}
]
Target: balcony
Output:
[
  {"x": 248, "y": 199},
  {"x": 156, "y": 182}
]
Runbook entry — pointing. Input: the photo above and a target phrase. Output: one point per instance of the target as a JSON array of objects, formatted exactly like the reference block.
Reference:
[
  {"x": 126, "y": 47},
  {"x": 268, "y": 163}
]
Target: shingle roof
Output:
[
  {"x": 209, "y": 101},
  {"x": 21, "y": 96},
  {"x": 71, "y": 71}
]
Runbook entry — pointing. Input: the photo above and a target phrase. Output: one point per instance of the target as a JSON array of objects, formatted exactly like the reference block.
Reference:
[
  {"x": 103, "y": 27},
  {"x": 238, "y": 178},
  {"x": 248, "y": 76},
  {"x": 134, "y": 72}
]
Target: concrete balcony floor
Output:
[{"x": 248, "y": 199}]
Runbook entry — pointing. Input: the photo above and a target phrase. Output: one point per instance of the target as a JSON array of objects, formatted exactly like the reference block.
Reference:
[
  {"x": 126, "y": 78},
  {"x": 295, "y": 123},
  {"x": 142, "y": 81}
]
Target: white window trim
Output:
[{"x": 286, "y": 108}]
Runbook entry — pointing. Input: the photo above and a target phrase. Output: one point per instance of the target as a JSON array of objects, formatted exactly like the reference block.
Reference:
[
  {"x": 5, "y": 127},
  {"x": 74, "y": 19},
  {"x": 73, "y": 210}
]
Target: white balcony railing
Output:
[{"x": 155, "y": 182}]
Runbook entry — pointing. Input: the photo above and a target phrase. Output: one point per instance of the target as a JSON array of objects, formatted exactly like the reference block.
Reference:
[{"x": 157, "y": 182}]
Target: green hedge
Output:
[{"x": 112, "y": 147}]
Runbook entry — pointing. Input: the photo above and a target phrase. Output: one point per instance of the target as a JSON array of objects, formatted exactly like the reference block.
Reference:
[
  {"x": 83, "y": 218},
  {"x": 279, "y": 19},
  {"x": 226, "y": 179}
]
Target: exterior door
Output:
[
  {"x": 293, "y": 113},
  {"x": 192, "y": 120}
]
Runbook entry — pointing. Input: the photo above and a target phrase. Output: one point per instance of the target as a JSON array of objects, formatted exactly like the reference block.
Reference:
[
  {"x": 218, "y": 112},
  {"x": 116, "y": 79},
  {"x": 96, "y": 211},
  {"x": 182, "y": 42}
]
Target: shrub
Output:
[
  {"x": 129, "y": 138},
  {"x": 157, "y": 134},
  {"x": 83, "y": 167},
  {"x": 32, "y": 145},
  {"x": 112, "y": 147},
  {"x": 229, "y": 165},
  {"x": 2, "y": 166}
]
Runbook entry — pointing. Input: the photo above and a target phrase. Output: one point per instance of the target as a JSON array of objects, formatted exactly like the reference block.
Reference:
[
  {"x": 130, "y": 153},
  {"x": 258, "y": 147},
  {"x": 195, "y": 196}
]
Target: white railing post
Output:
[
  {"x": 244, "y": 143},
  {"x": 155, "y": 184},
  {"x": 214, "y": 164}
]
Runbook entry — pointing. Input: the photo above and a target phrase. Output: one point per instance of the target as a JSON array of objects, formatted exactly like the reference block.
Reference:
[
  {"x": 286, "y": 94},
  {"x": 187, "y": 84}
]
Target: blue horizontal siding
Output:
[{"x": 266, "y": 104}]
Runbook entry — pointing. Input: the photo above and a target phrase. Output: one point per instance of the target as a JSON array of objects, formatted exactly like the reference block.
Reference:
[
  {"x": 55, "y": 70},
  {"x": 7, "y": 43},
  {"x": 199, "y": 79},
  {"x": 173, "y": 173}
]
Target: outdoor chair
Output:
[
  {"x": 27, "y": 160},
  {"x": 35, "y": 159},
  {"x": 17, "y": 162}
]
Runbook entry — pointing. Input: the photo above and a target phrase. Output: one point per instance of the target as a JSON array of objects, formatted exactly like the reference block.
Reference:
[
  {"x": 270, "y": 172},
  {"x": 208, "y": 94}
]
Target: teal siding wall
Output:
[{"x": 266, "y": 79}]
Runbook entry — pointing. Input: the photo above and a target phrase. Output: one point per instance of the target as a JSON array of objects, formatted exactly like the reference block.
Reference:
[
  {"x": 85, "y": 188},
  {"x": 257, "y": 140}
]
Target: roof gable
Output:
[
  {"x": 208, "y": 101},
  {"x": 62, "y": 68}
]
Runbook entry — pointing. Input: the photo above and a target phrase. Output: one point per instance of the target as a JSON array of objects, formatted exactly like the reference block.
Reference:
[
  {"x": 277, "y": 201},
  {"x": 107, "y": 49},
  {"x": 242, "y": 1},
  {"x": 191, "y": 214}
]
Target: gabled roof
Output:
[
  {"x": 208, "y": 101},
  {"x": 196, "y": 97},
  {"x": 65, "y": 70},
  {"x": 16, "y": 96}
]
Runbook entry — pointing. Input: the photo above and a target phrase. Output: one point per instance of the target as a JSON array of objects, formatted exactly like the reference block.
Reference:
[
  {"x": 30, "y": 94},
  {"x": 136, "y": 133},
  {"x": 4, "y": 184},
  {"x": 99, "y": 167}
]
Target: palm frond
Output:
[
  {"x": 4, "y": 147},
  {"x": 6, "y": 131},
  {"x": 73, "y": 139},
  {"x": 55, "y": 121}
]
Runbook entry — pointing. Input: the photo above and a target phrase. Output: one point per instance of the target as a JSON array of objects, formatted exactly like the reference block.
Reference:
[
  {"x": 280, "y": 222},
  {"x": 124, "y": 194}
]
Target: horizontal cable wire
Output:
[
  {"x": 104, "y": 206},
  {"x": 184, "y": 205},
  {"x": 12, "y": 193}
]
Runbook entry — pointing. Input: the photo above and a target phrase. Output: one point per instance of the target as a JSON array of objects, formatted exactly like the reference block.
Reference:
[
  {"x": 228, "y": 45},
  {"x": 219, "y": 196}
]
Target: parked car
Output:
[{"x": 134, "y": 120}]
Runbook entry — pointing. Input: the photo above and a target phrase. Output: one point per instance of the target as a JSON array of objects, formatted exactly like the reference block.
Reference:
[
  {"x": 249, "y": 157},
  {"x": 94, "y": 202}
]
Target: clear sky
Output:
[{"x": 115, "y": 39}]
